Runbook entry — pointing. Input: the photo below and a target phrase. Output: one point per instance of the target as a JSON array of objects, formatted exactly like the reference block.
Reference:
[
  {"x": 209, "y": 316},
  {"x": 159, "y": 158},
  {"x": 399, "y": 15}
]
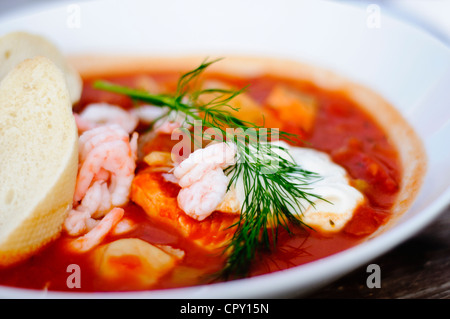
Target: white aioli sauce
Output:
[{"x": 340, "y": 200}]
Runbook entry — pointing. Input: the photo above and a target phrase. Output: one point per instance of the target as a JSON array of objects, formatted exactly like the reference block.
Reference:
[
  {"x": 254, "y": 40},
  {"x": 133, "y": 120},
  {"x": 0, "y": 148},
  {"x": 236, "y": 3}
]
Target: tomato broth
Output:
[{"x": 341, "y": 128}]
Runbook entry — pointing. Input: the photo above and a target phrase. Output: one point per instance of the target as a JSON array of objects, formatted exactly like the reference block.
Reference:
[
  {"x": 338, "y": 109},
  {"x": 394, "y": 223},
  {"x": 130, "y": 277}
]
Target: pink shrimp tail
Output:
[{"x": 95, "y": 236}]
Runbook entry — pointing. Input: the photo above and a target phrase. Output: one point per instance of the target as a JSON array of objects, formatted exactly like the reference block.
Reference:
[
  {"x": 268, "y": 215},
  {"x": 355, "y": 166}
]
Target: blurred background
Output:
[{"x": 431, "y": 15}]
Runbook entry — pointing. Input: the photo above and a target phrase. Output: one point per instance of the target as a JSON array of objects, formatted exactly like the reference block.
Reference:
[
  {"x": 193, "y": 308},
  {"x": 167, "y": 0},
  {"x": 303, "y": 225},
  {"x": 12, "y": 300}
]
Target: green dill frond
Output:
[{"x": 276, "y": 188}]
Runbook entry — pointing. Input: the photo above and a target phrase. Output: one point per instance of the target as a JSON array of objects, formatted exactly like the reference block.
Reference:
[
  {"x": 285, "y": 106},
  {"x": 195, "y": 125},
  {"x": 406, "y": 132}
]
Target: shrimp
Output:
[
  {"x": 95, "y": 204},
  {"x": 204, "y": 160},
  {"x": 78, "y": 222},
  {"x": 98, "y": 114},
  {"x": 95, "y": 236},
  {"x": 202, "y": 179},
  {"x": 97, "y": 136},
  {"x": 149, "y": 113},
  {"x": 164, "y": 120},
  {"x": 97, "y": 200},
  {"x": 106, "y": 155},
  {"x": 125, "y": 225},
  {"x": 107, "y": 158},
  {"x": 172, "y": 121},
  {"x": 201, "y": 198}
]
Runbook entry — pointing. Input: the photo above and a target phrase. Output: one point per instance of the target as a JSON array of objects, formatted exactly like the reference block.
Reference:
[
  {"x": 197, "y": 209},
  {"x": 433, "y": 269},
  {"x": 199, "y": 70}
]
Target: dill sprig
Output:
[
  {"x": 276, "y": 191},
  {"x": 276, "y": 188},
  {"x": 214, "y": 113}
]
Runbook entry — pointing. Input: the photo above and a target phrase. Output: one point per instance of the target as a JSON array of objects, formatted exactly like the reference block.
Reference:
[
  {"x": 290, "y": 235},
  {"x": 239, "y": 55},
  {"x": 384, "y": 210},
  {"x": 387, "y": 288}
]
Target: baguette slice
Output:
[
  {"x": 18, "y": 46},
  {"x": 38, "y": 158}
]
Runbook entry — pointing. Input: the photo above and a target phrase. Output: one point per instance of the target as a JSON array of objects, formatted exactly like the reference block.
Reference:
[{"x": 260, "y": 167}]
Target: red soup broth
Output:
[{"x": 342, "y": 129}]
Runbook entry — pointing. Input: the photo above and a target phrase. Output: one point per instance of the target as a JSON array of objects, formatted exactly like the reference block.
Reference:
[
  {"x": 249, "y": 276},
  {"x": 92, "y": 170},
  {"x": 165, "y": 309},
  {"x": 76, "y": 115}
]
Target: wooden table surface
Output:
[{"x": 417, "y": 269}]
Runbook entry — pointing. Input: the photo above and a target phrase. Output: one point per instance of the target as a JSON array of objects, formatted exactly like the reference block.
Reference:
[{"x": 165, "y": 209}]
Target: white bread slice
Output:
[
  {"x": 18, "y": 46},
  {"x": 38, "y": 158}
]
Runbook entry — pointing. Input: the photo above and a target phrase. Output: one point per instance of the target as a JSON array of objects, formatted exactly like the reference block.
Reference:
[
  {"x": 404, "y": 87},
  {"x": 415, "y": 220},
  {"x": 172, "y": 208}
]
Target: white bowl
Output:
[{"x": 408, "y": 67}]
